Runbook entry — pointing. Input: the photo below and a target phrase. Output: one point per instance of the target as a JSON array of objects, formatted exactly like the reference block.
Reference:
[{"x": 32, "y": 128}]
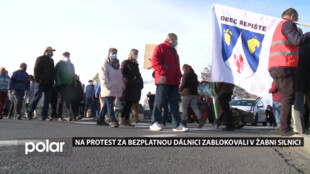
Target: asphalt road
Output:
[{"x": 140, "y": 159}]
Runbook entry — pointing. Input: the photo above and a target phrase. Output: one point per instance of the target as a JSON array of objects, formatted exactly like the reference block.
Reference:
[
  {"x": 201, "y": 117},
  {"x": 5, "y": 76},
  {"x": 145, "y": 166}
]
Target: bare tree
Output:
[
  {"x": 206, "y": 73},
  {"x": 238, "y": 92},
  {"x": 241, "y": 93}
]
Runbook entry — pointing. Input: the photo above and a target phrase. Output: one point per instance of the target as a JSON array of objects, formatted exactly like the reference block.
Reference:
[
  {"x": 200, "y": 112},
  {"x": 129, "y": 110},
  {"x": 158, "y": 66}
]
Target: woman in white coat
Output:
[{"x": 110, "y": 76}]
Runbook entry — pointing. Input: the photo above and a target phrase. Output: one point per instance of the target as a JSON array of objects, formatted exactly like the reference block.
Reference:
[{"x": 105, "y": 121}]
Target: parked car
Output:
[{"x": 255, "y": 107}]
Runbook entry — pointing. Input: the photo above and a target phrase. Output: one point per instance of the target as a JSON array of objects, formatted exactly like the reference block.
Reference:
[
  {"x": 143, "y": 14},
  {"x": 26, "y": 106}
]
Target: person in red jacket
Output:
[
  {"x": 165, "y": 61},
  {"x": 283, "y": 60},
  {"x": 276, "y": 104}
]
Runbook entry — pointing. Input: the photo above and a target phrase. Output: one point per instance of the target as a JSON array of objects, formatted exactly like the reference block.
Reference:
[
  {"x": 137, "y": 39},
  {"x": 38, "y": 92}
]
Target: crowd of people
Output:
[{"x": 120, "y": 85}]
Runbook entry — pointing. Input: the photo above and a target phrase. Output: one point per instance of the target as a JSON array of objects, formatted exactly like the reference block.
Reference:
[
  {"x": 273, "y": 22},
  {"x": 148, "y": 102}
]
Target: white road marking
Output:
[
  {"x": 160, "y": 135},
  {"x": 4, "y": 143}
]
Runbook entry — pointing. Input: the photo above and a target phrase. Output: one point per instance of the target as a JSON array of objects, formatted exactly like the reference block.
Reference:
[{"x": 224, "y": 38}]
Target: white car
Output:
[{"x": 254, "y": 106}]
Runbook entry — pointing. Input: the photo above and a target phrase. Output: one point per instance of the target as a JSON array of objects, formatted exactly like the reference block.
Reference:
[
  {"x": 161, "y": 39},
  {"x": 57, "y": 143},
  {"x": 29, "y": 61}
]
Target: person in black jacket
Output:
[
  {"x": 44, "y": 74},
  {"x": 133, "y": 85},
  {"x": 188, "y": 89}
]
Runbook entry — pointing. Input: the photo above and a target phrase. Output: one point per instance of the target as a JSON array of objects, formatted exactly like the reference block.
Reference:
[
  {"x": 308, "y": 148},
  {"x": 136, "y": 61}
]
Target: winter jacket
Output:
[
  {"x": 44, "y": 71},
  {"x": 19, "y": 81},
  {"x": 302, "y": 74},
  {"x": 90, "y": 90},
  {"x": 276, "y": 96},
  {"x": 284, "y": 47},
  {"x": 282, "y": 52},
  {"x": 98, "y": 90},
  {"x": 111, "y": 81},
  {"x": 132, "y": 80},
  {"x": 78, "y": 92},
  {"x": 65, "y": 73},
  {"x": 189, "y": 82},
  {"x": 165, "y": 61},
  {"x": 4, "y": 83}
]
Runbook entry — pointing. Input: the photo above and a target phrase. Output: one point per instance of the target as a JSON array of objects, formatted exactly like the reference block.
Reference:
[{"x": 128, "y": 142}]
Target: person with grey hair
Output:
[
  {"x": 165, "y": 61},
  {"x": 283, "y": 61},
  {"x": 44, "y": 72},
  {"x": 19, "y": 83}
]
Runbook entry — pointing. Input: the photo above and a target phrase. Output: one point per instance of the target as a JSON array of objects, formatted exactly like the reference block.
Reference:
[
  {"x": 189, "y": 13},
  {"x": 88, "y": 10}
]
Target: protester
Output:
[
  {"x": 133, "y": 85},
  {"x": 54, "y": 100},
  {"x": 283, "y": 61},
  {"x": 44, "y": 72},
  {"x": 110, "y": 76},
  {"x": 78, "y": 96},
  {"x": 89, "y": 100},
  {"x": 270, "y": 116},
  {"x": 18, "y": 85},
  {"x": 4, "y": 85},
  {"x": 165, "y": 61},
  {"x": 28, "y": 97},
  {"x": 302, "y": 86},
  {"x": 276, "y": 104},
  {"x": 189, "y": 93},
  {"x": 224, "y": 92},
  {"x": 65, "y": 83}
]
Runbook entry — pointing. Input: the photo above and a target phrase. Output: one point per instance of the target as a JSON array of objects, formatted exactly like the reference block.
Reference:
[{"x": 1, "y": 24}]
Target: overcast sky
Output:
[{"x": 88, "y": 28}]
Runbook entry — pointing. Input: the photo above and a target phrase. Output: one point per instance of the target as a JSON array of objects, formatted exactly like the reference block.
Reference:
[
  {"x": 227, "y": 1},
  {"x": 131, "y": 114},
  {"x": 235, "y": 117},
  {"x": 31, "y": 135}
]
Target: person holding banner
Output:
[
  {"x": 283, "y": 61},
  {"x": 165, "y": 61}
]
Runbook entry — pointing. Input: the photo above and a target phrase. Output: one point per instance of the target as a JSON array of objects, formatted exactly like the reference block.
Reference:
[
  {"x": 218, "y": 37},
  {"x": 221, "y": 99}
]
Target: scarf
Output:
[{"x": 114, "y": 63}]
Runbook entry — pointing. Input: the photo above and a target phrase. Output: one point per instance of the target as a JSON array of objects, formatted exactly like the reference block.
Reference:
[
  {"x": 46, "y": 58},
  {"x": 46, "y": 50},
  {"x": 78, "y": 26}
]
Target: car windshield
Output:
[{"x": 242, "y": 103}]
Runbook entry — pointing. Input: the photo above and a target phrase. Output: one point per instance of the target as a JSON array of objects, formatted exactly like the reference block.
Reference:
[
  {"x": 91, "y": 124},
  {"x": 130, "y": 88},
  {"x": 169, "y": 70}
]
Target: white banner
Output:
[{"x": 241, "y": 45}]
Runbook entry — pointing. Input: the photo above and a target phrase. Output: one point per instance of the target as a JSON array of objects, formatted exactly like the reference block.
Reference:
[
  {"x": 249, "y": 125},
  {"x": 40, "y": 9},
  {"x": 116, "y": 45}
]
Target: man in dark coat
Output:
[{"x": 44, "y": 72}]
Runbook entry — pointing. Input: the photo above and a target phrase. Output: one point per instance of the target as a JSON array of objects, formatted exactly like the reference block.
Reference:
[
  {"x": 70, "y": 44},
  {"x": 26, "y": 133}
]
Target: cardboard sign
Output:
[{"x": 149, "y": 49}]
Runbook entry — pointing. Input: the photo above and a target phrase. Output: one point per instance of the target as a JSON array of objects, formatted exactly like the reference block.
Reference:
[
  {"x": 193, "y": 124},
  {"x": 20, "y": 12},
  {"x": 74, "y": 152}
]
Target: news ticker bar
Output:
[{"x": 187, "y": 142}]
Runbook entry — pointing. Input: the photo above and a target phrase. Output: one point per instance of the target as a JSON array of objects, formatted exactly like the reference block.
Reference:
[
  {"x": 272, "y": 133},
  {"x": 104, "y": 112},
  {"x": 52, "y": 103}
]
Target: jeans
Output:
[
  {"x": 90, "y": 102},
  {"x": 108, "y": 107},
  {"x": 37, "y": 96},
  {"x": 164, "y": 94},
  {"x": 192, "y": 100},
  {"x": 284, "y": 78},
  {"x": 18, "y": 100},
  {"x": 276, "y": 107}
]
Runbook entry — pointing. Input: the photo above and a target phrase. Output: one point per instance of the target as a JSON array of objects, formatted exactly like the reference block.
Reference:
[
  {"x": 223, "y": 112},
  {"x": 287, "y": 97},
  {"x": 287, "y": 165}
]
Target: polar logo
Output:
[{"x": 41, "y": 147}]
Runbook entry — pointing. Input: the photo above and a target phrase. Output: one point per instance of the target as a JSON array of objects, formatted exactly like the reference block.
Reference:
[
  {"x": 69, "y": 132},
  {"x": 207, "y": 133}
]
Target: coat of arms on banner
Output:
[{"x": 241, "y": 49}]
